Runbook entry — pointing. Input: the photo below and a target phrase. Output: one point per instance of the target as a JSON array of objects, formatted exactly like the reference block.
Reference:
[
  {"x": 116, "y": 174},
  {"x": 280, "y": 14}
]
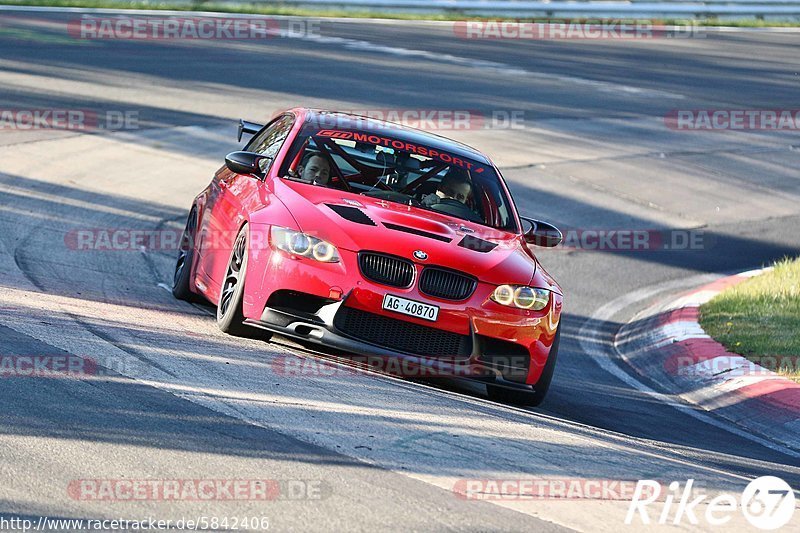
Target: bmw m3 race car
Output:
[{"x": 378, "y": 240}]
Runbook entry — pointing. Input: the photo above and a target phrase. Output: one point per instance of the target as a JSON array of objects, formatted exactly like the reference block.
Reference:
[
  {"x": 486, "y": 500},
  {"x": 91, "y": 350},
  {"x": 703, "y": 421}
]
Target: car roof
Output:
[{"x": 350, "y": 121}]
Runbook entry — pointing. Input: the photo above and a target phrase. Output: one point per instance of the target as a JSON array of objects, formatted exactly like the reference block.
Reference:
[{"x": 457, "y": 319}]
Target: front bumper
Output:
[
  {"x": 320, "y": 328},
  {"x": 476, "y": 339}
]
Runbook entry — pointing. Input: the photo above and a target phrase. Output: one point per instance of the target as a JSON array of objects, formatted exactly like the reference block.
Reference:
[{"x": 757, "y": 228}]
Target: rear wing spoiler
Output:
[{"x": 251, "y": 128}]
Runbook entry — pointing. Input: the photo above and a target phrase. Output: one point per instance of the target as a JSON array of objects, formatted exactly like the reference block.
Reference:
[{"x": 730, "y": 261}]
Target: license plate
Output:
[{"x": 410, "y": 308}]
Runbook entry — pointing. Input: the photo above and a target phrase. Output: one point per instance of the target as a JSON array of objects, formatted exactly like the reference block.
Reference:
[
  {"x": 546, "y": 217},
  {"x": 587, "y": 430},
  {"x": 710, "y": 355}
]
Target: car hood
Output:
[{"x": 356, "y": 222}]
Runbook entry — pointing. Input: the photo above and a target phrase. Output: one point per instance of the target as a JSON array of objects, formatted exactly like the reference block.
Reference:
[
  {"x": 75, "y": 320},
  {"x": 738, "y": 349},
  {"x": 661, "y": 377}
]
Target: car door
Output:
[{"x": 231, "y": 197}]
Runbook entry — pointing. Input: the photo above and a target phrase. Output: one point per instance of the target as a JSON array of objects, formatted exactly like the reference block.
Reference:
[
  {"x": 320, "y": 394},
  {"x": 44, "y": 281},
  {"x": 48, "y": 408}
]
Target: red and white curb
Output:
[{"x": 666, "y": 343}]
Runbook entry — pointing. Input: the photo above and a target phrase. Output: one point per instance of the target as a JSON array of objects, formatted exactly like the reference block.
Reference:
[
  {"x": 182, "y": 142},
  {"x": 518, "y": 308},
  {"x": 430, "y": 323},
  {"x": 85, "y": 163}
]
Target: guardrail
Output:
[{"x": 772, "y": 9}]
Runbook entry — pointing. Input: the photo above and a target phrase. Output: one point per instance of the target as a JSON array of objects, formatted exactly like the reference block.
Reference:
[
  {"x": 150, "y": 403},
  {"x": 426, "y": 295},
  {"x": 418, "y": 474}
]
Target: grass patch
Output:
[
  {"x": 287, "y": 10},
  {"x": 760, "y": 317}
]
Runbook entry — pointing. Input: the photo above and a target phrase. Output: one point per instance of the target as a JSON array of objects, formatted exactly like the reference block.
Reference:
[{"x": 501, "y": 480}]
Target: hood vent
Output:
[
  {"x": 479, "y": 245},
  {"x": 353, "y": 214},
  {"x": 419, "y": 232}
]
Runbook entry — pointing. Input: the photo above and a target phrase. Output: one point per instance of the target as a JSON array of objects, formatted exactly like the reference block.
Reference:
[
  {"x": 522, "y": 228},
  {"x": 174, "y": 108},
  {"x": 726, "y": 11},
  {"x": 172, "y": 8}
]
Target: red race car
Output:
[{"x": 381, "y": 241}]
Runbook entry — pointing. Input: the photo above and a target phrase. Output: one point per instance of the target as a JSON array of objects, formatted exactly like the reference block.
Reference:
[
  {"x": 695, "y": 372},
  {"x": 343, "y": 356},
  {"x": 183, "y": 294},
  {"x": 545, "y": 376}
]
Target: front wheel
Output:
[
  {"x": 230, "y": 317},
  {"x": 536, "y": 397}
]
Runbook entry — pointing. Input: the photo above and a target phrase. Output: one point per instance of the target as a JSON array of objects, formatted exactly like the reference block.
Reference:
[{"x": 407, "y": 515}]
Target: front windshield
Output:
[{"x": 380, "y": 166}]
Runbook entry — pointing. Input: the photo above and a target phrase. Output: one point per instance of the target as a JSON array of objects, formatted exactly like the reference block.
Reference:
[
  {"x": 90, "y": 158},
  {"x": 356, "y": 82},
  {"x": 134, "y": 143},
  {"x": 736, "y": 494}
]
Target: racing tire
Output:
[
  {"x": 181, "y": 278},
  {"x": 536, "y": 397},
  {"x": 230, "y": 317}
]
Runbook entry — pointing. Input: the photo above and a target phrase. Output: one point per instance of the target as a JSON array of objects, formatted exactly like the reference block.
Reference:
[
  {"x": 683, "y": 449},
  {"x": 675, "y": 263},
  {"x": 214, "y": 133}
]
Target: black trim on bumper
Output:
[{"x": 318, "y": 330}]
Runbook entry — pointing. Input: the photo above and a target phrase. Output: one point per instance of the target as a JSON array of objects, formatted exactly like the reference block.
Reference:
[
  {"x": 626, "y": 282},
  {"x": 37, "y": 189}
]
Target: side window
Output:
[{"x": 270, "y": 140}]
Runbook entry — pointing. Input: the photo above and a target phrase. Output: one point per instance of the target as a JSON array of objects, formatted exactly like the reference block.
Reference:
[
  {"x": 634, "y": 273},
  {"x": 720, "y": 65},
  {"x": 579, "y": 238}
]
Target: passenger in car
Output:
[{"x": 455, "y": 185}]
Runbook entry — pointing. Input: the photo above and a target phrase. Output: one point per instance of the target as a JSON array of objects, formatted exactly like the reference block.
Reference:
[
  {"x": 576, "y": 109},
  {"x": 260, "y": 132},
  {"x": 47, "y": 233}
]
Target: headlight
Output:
[
  {"x": 504, "y": 294},
  {"x": 300, "y": 244},
  {"x": 521, "y": 297}
]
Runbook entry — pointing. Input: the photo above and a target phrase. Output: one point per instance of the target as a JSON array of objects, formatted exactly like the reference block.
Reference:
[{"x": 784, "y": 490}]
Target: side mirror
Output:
[
  {"x": 246, "y": 163},
  {"x": 542, "y": 233}
]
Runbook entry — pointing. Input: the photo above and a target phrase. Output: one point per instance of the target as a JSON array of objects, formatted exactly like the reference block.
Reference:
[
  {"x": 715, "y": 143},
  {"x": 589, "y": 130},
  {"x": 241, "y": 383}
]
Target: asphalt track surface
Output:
[{"x": 183, "y": 401}]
